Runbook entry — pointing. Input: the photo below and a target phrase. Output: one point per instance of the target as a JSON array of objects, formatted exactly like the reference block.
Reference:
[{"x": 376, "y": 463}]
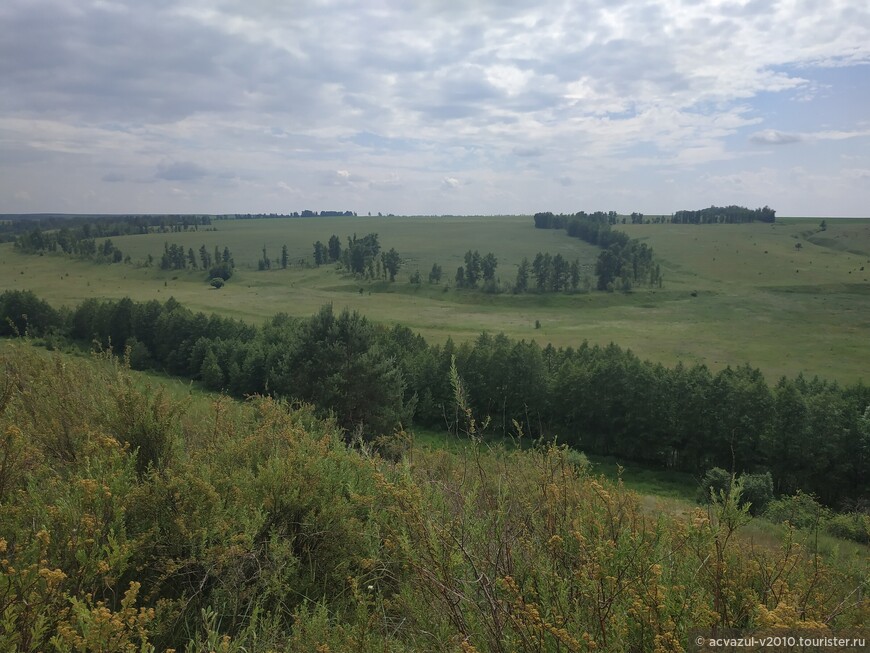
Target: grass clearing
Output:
[
  {"x": 733, "y": 293},
  {"x": 679, "y": 486}
]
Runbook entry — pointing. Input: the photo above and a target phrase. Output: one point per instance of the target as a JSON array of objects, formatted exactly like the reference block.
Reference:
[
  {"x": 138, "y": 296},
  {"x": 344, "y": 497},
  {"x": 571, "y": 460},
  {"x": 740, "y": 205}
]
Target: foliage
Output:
[
  {"x": 724, "y": 215},
  {"x": 810, "y": 435},
  {"x": 715, "y": 482},
  {"x": 623, "y": 261},
  {"x": 800, "y": 510},
  {"x": 851, "y": 526},
  {"x": 258, "y": 529},
  {"x": 222, "y": 270},
  {"x": 360, "y": 253},
  {"x": 756, "y": 490},
  {"x": 391, "y": 262},
  {"x": 22, "y": 313}
]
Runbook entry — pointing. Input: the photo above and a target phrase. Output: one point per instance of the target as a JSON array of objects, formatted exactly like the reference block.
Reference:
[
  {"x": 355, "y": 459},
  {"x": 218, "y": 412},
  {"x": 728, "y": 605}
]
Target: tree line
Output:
[
  {"x": 52, "y": 233},
  {"x": 623, "y": 261},
  {"x": 78, "y": 236},
  {"x": 295, "y": 214},
  {"x": 39, "y": 242},
  {"x": 725, "y": 215},
  {"x": 810, "y": 434},
  {"x": 219, "y": 265}
]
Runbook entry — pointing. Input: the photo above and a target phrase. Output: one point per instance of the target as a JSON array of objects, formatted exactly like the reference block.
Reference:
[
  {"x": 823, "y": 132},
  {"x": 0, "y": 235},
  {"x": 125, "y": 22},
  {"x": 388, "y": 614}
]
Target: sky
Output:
[{"x": 431, "y": 107}]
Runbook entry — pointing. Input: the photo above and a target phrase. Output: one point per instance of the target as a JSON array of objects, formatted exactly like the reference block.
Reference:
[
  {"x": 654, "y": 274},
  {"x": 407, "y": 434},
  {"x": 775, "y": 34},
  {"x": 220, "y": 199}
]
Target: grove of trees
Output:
[
  {"x": 724, "y": 215},
  {"x": 623, "y": 261}
]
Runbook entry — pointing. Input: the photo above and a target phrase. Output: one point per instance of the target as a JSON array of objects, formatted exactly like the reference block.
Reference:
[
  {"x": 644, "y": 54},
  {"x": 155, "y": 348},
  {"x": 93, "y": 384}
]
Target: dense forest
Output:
[{"x": 810, "y": 434}]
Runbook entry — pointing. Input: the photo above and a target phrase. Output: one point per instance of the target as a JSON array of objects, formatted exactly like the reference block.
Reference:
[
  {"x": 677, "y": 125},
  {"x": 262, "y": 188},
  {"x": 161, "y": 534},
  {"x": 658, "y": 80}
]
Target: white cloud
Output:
[
  {"x": 353, "y": 99},
  {"x": 450, "y": 183},
  {"x": 774, "y": 137},
  {"x": 181, "y": 171}
]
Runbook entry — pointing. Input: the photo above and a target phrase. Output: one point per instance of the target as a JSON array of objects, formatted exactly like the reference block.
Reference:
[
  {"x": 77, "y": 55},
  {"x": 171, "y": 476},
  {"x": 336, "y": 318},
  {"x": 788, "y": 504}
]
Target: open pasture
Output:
[{"x": 732, "y": 293}]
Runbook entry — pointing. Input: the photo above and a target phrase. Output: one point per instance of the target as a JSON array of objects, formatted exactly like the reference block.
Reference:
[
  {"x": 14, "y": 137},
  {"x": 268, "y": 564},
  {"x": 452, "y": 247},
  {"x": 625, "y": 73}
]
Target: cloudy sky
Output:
[{"x": 434, "y": 106}]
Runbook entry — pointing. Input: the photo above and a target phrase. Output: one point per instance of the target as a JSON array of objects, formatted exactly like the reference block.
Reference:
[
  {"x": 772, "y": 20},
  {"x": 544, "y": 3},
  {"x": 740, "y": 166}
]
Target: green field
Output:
[{"x": 732, "y": 293}]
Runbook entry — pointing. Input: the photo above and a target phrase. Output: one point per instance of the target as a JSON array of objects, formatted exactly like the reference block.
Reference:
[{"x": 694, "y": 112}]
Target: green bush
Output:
[
  {"x": 222, "y": 270},
  {"x": 715, "y": 482},
  {"x": 853, "y": 526},
  {"x": 757, "y": 491},
  {"x": 800, "y": 510}
]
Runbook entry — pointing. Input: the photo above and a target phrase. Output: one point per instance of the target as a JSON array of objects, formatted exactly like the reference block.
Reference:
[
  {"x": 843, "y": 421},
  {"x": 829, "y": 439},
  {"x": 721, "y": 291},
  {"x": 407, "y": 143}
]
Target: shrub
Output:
[
  {"x": 217, "y": 282},
  {"x": 800, "y": 510},
  {"x": 757, "y": 491},
  {"x": 853, "y": 526},
  {"x": 715, "y": 482},
  {"x": 138, "y": 354},
  {"x": 223, "y": 270}
]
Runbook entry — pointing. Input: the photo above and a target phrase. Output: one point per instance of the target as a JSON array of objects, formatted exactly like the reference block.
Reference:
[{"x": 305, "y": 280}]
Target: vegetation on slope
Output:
[
  {"x": 810, "y": 434},
  {"x": 129, "y": 526}
]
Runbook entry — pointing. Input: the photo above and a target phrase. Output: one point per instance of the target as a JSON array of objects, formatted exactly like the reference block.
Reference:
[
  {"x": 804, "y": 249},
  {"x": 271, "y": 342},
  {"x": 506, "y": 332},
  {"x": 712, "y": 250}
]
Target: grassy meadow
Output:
[{"x": 732, "y": 293}]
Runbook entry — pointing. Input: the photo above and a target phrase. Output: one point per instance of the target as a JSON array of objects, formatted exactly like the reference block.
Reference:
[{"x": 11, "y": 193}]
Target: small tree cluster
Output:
[
  {"x": 329, "y": 253},
  {"x": 555, "y": 273},
  {"x": 477, "y": 268}
]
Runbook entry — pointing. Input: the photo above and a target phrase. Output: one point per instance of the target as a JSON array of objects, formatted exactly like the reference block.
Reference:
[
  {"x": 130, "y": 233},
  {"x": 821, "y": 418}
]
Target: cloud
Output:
[
  {"x": 774, "y": 137},
  {"x": 391, "y": 184},
  {"x": 342, "y": 178},
  {"x": 181, "y": 171},
  {"x": 838, "y": 135},
  {"x": 516, "y": 93},
  {"x": 528, "y": 151},
  {"x": 450, "y": 183}
]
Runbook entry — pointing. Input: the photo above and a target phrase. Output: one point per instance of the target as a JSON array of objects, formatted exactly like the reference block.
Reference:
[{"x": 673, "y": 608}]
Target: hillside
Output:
[{"x": 134, "y": 520}]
